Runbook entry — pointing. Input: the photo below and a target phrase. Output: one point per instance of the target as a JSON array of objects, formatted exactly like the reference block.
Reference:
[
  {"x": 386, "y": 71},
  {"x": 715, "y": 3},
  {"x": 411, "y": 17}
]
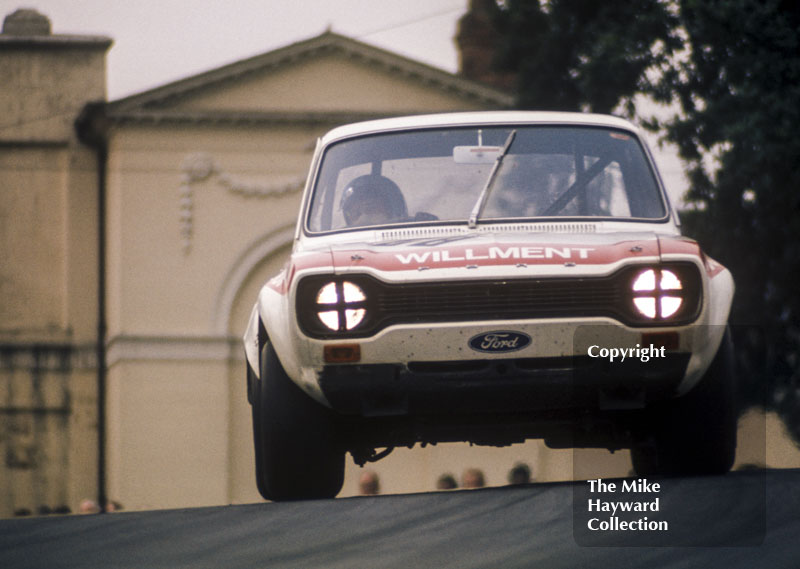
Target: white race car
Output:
[{"x": 488, "y": 277}]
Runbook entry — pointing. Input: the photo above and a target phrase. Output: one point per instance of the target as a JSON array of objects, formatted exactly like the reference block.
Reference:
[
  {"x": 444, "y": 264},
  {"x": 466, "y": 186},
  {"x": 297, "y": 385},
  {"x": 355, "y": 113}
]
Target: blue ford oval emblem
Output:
[{"x": 499, "y": 341}]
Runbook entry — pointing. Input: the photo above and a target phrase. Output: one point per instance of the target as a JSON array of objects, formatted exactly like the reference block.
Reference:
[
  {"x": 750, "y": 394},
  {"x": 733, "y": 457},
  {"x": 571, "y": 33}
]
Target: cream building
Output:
[
  {"x": 195, "y": 187},
  {"x": 48, "y": 266},
  {"x": 203, "y": 185}
]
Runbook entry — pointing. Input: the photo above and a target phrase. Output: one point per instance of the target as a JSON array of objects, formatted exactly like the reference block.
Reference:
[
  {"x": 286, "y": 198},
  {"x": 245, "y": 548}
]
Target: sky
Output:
[{"x": 159, "y": 41}]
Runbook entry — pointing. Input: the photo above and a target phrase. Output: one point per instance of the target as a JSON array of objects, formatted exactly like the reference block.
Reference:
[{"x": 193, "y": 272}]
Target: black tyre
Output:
[
  {"x": 298, "y": 456},
  {"x": 696, "y": 433}
]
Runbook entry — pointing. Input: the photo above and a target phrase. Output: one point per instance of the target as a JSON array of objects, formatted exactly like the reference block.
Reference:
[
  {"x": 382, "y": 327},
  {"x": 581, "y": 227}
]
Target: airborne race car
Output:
[{"x": 488, "y": 277}]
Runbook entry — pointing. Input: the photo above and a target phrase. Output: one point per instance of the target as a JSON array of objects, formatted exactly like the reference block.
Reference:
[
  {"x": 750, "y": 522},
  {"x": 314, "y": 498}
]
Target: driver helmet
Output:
[{"x": 372, "y": 200}]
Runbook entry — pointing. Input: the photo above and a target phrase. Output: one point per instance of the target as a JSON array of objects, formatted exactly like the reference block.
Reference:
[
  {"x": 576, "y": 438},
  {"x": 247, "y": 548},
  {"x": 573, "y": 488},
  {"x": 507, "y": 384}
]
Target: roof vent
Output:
[{"x": 26, "y": 22}]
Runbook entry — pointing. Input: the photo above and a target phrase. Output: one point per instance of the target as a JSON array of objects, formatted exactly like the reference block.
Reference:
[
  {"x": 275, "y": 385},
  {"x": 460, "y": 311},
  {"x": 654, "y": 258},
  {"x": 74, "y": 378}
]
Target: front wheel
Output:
[
  {"x": 696, "y": 433},
  {"x": 297, "y": 453}
]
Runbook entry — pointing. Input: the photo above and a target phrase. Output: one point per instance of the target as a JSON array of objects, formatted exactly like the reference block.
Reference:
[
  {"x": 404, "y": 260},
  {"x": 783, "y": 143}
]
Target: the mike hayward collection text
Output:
[{"x": 613, "y": 509}]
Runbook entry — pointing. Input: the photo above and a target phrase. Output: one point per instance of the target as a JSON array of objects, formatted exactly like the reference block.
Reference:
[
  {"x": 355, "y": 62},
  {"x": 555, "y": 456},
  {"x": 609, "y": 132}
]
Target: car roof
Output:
[{"x": 476, "y": 119}]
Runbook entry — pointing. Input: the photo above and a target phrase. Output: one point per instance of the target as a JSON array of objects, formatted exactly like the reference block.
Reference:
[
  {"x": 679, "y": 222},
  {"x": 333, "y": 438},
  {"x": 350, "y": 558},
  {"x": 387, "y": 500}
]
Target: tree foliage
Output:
[
  {"x": 738, "y": 89},
  {"x": 732, "y": 69},
  {"x": 572, "y": 55}
]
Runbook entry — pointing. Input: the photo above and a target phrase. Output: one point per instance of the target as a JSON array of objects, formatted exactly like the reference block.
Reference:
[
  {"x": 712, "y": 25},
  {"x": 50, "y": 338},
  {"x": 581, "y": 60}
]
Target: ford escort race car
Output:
[{"x": 488, "y": 277}]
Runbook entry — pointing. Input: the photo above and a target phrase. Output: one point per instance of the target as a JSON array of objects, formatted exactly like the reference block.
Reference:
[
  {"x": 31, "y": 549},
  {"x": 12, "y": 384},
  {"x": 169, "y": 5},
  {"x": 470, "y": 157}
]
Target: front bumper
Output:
[{"x": 500, "y": 385}]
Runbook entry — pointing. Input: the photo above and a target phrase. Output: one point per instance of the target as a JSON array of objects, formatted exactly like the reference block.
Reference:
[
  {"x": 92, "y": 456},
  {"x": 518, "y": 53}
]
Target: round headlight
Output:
[
  {"x": 340, "y": 305},
  {"x": 655, "y": 293}
]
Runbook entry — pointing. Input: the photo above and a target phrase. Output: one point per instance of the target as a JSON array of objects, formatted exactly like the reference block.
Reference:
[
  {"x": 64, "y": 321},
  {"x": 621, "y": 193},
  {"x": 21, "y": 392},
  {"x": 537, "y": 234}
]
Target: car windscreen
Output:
[{"x": 507, "y": 173}]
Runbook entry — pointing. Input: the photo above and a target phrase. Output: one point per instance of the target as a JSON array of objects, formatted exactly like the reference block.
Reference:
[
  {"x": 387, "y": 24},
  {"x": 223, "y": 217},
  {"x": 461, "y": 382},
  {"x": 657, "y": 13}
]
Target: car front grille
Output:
[{"x": 422, "y": 302}]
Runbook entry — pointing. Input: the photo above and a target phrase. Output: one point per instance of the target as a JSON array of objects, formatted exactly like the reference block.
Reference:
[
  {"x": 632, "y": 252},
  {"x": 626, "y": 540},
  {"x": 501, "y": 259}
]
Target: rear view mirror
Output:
[{"x": 476, "y": 154}]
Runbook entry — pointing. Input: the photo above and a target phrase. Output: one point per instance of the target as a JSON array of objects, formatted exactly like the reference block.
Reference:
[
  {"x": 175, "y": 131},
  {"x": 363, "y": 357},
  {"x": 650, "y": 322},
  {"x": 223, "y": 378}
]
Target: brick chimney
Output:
[{"x": 477, "y": 40}]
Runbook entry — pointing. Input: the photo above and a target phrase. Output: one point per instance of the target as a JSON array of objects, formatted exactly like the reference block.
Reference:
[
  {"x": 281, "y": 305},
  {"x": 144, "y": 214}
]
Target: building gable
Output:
[
  {"x": 328, "y": 74},
  {"x": 326, "y": 83}
]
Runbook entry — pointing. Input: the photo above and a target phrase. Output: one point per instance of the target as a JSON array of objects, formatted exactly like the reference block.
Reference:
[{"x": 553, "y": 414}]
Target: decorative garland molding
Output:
[{"x": 201, "y": 167}]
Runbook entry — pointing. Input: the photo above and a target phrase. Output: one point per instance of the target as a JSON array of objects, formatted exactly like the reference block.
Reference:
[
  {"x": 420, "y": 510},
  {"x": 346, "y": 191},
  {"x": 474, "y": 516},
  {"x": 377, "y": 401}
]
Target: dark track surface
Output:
[{"x": 524, "y": 526}]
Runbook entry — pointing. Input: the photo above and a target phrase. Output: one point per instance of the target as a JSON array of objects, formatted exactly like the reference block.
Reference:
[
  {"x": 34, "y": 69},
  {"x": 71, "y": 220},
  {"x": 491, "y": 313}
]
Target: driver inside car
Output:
[{"x": 373, "y": 200}]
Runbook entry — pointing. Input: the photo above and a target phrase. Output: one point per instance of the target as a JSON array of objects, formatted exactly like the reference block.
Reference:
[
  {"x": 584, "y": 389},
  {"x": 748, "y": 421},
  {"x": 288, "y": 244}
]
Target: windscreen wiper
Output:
[{"x": 476, "y": 210}]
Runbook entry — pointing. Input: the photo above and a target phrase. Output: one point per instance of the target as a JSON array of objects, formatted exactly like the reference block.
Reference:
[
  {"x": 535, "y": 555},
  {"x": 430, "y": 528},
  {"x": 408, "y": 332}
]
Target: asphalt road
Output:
[{"x": 744, "y": 519}]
